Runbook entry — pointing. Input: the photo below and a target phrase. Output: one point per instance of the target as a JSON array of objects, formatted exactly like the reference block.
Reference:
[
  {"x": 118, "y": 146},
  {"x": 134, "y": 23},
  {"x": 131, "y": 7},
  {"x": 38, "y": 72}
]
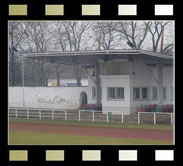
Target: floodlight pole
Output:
[{"x": 23, "y": 81}]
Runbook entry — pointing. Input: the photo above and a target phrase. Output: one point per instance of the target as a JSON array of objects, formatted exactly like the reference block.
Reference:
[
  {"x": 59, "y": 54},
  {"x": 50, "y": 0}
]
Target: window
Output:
[
  {"x": 154, "y": 93},
  {"x": 140, "y": 93},
  {"x": 93, "y": 92},
  {"x": 115, "y": 93},
  {"x": 145, "y": 93},
  {"x": 172, "y": 93},
  {"x": 164, "y": 93},
  {"x": 136, "y": 93}
]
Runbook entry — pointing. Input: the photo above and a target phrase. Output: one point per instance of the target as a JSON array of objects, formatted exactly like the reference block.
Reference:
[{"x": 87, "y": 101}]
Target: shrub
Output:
[
  {"x": 156, "y": 108},
  {"x": 91, "y": 107}
]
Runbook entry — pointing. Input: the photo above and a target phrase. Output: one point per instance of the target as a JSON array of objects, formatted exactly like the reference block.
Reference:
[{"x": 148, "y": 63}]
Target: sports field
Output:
[{"x": 36, "y": 132}]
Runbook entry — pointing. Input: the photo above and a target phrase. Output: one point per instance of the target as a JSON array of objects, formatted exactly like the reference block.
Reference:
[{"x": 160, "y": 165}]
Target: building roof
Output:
[{"x": 91, "y": 57}]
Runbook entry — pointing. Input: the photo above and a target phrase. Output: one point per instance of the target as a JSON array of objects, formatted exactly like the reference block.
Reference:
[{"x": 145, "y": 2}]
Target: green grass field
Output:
[
  {"x": 29, "y": 138},
  {"x": 34, "y": 138}
]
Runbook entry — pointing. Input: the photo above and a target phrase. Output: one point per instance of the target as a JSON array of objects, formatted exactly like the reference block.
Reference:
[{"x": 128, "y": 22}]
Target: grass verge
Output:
[
  {"x": 31, "y": 138},
  {"x": 98, "y": 124}
]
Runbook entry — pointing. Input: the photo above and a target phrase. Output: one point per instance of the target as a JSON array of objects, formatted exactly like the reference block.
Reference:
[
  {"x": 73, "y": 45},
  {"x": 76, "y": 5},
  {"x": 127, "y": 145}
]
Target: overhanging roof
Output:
[{"x": 91, "y": 57}]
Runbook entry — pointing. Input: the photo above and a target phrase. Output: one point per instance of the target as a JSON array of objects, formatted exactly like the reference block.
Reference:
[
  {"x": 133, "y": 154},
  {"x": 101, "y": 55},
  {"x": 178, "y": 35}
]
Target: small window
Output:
[
  {"x": 93, "y": 92},
  {"x": 164, "y": 93},
  {"x": 115, "y": 93},
  {"x": 136, "y": 93},
  {"x": 111, "y": 93},
  {"x": 172, "y": 93},
  {"x": 145, "y": 93},
  {"x": 120, "y": 93},
  {"x": 154, "y": 93}
]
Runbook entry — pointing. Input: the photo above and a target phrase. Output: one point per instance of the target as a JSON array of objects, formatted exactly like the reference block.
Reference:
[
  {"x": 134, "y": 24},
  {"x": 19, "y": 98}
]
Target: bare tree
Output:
[
  {"x": 157, "y": 35},
  {"x": 105, "y": 35},
  {"x": 37, "y": 40},
  {"x": 75, "y": 32},
  {"x": 134, "y": 32},
  {"x": 60, "y": 42},
  {"x": 16, "y": 34}
]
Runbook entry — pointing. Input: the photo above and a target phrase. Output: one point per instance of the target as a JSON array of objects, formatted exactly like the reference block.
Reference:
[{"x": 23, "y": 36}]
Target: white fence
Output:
[
  {"x": 154, "y": 114},
  {"x": 91, "y": 116}
]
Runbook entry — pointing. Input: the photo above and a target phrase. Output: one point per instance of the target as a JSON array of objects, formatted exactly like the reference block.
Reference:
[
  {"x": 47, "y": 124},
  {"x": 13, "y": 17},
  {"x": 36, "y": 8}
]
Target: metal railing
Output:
[
  {"x": 171, "y": 115},
  {"x": 93, "y": 115},
  {"x": 90, "y": 115}
]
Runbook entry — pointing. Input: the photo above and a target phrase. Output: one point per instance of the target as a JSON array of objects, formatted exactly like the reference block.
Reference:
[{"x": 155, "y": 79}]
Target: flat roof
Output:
[{"x": 91, "y": 57}]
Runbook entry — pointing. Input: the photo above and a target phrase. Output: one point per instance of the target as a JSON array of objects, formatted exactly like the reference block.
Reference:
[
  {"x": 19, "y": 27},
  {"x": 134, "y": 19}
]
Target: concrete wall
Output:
[
  {"x": 116, "y": 105},
  {"x": 46, "y": 97},
  {"x": 146, "y": 76}
]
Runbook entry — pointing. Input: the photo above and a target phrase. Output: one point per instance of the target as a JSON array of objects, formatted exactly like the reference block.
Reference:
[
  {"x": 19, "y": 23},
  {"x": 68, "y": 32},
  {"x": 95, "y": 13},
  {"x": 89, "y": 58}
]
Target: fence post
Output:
[
  {"x": 16, "y": 113},
  {"x": 39, "y": 114},
  {"x": 138, "y": 117},
  {"x": 52, "y": 115},
  {"x": 154, "y": 118},
  {"x": 171, "y": 118},
  {"x": 122, "y": 118},
  {"x": 79, "y": 115},
  {"x": 65, "y": 114},
  {"x": 27, "y": 113},
  {"x": 93, "y": 113}
]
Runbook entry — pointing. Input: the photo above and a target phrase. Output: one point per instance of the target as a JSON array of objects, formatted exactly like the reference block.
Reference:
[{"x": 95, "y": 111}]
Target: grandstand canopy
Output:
[{"x": 91, "y": 57}]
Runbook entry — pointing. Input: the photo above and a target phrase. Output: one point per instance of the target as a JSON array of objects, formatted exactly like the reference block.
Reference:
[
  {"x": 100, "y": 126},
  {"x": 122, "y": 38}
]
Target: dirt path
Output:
[{"x": 149, "y": 134}]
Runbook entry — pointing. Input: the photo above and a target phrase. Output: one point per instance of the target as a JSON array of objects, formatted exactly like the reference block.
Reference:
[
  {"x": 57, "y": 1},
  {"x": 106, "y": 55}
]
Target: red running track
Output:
[{"x": 148, "y": 134}]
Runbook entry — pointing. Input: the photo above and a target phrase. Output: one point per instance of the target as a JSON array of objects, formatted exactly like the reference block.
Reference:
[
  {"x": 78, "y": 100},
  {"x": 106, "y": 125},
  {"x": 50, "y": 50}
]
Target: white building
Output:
[
  {"x": 121, "y": 80},
  {"x": 136, "y": 84}
]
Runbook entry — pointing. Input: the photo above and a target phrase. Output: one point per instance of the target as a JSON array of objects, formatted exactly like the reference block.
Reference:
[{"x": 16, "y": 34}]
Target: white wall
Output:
[
  {"x": 46, "y": 97},
  {"x": 146, "y": 76},
  {"x": 167, "y": 82},
  {"x": 116, "y": 105}
]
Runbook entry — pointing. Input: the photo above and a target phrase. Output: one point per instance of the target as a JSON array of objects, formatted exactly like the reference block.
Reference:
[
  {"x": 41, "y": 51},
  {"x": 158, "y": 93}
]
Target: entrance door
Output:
[{"x": 83, "y": 98}]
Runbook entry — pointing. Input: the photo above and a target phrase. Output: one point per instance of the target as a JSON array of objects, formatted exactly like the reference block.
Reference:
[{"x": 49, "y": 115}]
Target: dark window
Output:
[
  {"x": 136, "y": 93},
  {"x": 145, "y": 94},
  {"x": 115, "y": 93},
  {"x": 164, "y": 93},
  {"x": 154, "y": 93},
  {"x": 171, "y": 93},
  {"x": 93, "y": 92}
]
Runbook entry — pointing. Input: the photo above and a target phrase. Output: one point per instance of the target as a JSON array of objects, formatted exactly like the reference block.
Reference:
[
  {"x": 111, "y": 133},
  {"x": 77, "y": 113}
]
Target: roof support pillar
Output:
[
  {"x": 160, "y": 83},
  {"x": 98, "y": 87}
]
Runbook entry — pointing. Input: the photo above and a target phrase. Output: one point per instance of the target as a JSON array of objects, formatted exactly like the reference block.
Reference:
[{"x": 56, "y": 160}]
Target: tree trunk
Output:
[
  {"x": 12, "y": 59},
  {"x": 57, "y": 74},
  {"x": 13, "y": 68},
  {"x": 162, "y": 40},
  {"x": 78, "y": 76}
]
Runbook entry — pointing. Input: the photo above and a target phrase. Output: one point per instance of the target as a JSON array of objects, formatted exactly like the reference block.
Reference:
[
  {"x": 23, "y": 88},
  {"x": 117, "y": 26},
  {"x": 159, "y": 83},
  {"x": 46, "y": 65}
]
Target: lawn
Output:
[
  {"x": 98, "y": 124},
  {"x": 31, "y": 138}
]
